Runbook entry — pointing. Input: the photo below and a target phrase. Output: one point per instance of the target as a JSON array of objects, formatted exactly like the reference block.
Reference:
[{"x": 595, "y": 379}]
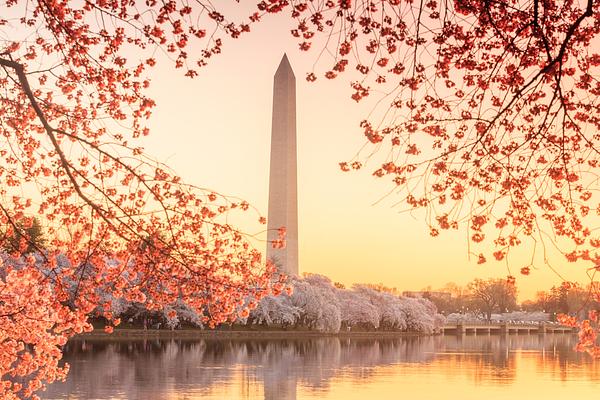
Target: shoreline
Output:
[
  {"x": 191, "y": 334},
  {"x": 241, "y": 334}
]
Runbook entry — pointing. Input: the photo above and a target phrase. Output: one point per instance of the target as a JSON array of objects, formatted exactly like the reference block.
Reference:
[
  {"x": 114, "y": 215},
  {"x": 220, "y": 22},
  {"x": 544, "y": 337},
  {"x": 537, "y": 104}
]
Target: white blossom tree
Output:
[
  {"x": 357, "y": 310},
  {"x": 275, "y": 310},
  {"x": 318, "y": 305}
]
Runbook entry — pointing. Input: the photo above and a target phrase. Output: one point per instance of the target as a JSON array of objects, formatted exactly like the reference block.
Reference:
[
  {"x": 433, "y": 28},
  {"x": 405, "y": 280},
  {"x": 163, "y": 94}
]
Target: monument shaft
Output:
[{"x": 283, "y": 198}]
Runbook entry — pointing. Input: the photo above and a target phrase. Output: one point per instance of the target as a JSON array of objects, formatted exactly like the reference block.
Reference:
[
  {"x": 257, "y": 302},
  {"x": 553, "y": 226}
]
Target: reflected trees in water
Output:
[{"x": 155, "y": 369}]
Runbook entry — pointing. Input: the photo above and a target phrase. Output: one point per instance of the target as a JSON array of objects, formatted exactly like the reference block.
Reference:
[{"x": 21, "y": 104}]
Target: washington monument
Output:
[{"x": 283, "y": 198}]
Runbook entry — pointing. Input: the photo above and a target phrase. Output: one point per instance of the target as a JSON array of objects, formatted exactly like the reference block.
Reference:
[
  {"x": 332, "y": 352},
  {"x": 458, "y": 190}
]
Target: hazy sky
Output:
[{"x": 215, "y": 132}]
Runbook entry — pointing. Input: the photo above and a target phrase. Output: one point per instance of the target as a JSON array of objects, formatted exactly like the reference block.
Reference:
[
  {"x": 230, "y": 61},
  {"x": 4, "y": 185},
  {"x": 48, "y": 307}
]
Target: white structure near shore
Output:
[{"x": 283, "y": 197}]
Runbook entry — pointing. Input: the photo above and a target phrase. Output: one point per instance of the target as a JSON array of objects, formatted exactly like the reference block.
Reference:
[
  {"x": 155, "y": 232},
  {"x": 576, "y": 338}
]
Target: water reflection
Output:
[{"x": 315, "y": 368}]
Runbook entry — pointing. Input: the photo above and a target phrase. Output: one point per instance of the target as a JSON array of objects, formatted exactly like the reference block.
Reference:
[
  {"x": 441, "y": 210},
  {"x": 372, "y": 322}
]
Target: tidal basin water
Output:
[{"x": 440, "y": 367}]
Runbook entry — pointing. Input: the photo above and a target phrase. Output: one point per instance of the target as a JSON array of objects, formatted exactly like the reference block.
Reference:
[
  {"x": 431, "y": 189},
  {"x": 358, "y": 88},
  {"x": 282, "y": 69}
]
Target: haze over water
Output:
[{"x": 468, "y": 367}]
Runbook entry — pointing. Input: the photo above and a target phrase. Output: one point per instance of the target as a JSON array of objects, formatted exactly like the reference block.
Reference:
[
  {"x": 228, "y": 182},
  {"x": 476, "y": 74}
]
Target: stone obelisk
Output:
[{"x": 283, "y": 198}]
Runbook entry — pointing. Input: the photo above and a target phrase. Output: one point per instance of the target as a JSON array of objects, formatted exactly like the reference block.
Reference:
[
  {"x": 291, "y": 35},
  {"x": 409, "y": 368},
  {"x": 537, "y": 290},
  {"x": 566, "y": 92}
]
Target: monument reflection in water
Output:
[{"x": 327, "y": 368}]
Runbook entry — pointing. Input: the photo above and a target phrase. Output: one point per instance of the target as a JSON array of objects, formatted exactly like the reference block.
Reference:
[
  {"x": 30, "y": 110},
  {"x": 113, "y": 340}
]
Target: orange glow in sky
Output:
[{"x": 215, "y": 131}]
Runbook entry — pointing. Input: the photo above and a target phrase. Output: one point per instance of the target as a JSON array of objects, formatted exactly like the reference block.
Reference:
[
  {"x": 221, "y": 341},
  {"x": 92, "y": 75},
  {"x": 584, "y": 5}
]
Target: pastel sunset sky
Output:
[{"x": 215, "y": 132}]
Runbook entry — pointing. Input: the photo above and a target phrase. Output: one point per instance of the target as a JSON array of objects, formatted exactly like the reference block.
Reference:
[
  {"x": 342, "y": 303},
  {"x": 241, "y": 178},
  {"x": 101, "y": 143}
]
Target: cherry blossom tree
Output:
[
  {"x": 488, "y": 104},
  {"x": 39, "y": 326},
  {"x": 391, "y": 315},
  {"x": 119, "y": 225},
  {"x": 180, "y": 312},
  {"x": 316, "y": 297},
  {"x": 275, "y": 310},
  {"x": 357, "y": 311},
  {"x": 487, "y": 114},
  {"x": 318, "y": 304},
  {"x": 418, "y": 317}
]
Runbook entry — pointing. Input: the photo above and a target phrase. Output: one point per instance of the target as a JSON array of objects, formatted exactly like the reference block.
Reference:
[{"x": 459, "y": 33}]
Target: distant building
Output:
[{"x": 428, "y": 294}]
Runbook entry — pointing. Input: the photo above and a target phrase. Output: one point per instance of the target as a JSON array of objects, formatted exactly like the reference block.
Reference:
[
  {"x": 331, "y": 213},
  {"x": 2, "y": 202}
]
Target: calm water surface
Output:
[{"x": 471, "y": 367}]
